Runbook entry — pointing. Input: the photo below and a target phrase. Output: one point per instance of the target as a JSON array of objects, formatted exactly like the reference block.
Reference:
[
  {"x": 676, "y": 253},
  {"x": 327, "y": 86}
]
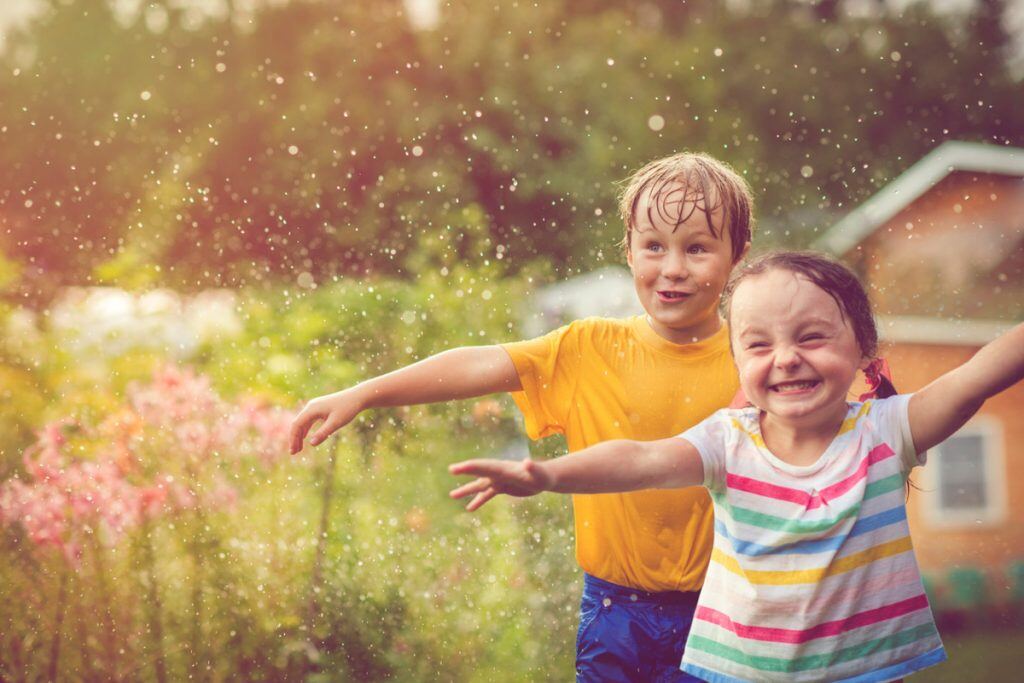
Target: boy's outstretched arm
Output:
[
  {"x": 608, "y": 467},
  {"x": 458, "y": 373},
  {"x": 942, "y": 407}
]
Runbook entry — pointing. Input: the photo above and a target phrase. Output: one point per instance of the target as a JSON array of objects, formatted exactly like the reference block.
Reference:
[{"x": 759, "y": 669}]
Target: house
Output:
[
  {"x": 607, "y": 292},
  {"x": 941, "y": 249}
]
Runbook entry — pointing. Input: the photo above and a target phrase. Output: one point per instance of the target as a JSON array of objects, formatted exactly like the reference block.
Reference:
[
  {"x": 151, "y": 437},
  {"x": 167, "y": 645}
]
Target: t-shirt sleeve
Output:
[
  {"x": 891, "y": 417},
  {"x": 709, "y": 437},
  {"x": 548, "y": 369}
]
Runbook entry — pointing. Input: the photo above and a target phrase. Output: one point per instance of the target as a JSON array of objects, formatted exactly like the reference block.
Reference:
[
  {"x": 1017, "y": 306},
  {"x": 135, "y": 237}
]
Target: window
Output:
[{"x": 964, "y": 480}]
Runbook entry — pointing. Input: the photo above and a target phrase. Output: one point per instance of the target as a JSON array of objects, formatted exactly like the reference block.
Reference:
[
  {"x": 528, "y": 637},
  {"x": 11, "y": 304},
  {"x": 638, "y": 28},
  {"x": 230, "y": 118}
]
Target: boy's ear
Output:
[
  {"x": 629, "y": 256},
  {"x": 743, "y": 254}
]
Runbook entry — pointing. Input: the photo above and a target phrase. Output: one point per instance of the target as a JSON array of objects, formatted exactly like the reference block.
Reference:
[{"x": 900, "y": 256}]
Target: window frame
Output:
[{"x": 990, "y": 431}]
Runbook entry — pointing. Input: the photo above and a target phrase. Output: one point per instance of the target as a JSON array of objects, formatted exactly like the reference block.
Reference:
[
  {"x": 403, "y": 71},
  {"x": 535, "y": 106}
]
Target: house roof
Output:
[
  {"x": 925, "y": 174},
  {"x": 928, "y": 330}
]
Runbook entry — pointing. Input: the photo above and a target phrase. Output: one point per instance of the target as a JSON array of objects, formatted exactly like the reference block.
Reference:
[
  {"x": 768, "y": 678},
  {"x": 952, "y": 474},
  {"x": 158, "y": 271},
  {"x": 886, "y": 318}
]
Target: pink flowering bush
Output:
[
  {"x": 66, "y": 502},
  {"x": 172, "y": 448},
  {"x": 98, "y": 498}
]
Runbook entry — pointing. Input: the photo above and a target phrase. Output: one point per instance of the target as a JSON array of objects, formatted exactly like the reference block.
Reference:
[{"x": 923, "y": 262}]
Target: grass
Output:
[{"x": 994, "y": 654}]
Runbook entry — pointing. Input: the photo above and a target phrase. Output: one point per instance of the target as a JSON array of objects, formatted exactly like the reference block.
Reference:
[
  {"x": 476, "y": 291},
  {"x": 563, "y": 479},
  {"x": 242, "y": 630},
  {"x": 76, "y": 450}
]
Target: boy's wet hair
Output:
[
  {"x": 698, "y": 181},
  {"x": 831, "y": 276}
]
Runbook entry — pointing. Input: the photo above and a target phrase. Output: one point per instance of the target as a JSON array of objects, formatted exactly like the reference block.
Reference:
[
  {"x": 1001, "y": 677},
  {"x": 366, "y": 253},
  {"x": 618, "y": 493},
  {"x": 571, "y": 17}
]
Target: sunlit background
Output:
[{"x": 211, "y": 211}]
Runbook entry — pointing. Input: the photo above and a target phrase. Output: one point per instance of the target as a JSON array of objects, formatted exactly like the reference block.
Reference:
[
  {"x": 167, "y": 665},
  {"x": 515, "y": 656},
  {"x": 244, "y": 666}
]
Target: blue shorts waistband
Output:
[{"x": 592, "y": 584}]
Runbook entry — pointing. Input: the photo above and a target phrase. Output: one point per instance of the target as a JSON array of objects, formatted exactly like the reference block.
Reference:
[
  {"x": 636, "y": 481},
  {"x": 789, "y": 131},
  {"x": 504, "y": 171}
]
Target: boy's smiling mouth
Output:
[
  {"x": 670, "y": 295},
  {"x": 795, "y": 386}
]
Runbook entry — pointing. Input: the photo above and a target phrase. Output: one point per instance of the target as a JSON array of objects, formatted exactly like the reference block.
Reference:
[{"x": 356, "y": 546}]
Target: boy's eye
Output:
[
  {"x": 697, "y": 249},
  {"x": 654, "y": 246}
]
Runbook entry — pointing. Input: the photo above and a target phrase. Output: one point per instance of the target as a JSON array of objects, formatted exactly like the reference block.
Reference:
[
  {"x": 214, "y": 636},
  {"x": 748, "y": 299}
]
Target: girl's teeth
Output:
[{"x": 794, "y": 385}]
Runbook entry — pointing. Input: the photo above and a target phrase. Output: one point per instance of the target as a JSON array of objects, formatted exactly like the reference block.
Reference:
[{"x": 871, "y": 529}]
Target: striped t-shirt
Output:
[{"x": 812, "y": 575}]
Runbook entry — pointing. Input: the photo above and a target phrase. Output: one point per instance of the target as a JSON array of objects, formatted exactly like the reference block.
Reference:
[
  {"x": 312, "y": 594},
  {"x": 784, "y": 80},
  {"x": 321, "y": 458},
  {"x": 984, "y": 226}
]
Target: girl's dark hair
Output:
[{"x": 835, "y": 279}]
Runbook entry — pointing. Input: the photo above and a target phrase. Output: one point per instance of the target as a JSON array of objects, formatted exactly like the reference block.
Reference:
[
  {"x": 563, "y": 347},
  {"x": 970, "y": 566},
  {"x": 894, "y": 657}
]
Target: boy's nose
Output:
[{"x": 674, "y": 266}]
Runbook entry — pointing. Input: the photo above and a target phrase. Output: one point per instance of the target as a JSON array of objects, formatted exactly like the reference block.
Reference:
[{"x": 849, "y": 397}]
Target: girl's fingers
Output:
[{"x": 475, "y": 486}]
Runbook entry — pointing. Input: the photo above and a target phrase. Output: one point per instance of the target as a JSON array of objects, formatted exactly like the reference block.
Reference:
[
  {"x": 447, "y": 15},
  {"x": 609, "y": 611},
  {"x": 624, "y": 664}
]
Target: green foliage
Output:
[
  {"x": 149, "y": 147},
  {"x": 382, "y": 193},
  {"x": 405, "y": 583}
]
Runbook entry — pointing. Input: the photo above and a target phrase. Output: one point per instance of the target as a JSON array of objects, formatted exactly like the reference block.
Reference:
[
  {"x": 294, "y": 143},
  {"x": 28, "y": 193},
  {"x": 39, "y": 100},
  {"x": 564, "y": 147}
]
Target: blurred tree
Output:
[{"x": 309, "y": 139}]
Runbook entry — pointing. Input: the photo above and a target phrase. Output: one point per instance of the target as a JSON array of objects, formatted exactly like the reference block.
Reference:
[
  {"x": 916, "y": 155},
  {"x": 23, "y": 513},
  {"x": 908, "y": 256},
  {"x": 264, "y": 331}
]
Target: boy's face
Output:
[{"x": 679, "y": 267}]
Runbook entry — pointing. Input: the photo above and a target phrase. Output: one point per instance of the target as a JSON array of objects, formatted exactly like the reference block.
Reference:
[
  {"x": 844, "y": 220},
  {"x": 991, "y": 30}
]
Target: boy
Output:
[{"x": 688, "y": 221}]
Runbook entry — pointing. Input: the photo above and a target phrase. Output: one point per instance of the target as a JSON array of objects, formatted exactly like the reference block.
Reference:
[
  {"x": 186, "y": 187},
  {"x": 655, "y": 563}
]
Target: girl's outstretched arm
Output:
[
  {"x": 942, "y": 407},
  {"x": 608, "y": 467}
]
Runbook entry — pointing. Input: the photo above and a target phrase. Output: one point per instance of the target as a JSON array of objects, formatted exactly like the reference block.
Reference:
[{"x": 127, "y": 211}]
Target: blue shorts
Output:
[{"x": 631, "y": 635}]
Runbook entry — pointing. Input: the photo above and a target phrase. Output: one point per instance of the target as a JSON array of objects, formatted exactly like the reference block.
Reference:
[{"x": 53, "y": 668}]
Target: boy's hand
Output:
[
  {"x": 336, "y": 410},
  {"x": 513, "y": 478}
]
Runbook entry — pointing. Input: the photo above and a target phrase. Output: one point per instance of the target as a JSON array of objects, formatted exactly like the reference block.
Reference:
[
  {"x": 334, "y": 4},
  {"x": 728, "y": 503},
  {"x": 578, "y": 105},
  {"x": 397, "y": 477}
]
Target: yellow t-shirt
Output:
[{"x": 599, "y": 379}]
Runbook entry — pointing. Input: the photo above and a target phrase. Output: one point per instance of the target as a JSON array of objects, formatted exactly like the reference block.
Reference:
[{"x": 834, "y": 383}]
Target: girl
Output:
[{"x": 812, "y": 576}]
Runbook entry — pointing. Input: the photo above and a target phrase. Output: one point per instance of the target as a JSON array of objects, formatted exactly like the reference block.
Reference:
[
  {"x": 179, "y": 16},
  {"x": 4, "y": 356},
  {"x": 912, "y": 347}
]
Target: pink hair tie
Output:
[{"x": 879, "y": 379}]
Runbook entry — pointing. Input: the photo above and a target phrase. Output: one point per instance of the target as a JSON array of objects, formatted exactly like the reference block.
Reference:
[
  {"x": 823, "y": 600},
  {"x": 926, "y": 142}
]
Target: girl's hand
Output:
[{"x": 513, "y": 478}]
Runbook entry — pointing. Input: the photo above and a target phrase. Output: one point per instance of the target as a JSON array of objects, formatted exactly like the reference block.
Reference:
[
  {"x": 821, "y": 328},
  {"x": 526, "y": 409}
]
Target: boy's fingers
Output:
[
  {"x": 300, "y": 425},
  {"x": 462, "y": 467},
  {"x": 326, "y": 429},
  {"x": 480, "y": 468},
  {"x": 474, "y": 486},
  {"x": 480, "y": 499},
  {"x": 299, "y": 428}
]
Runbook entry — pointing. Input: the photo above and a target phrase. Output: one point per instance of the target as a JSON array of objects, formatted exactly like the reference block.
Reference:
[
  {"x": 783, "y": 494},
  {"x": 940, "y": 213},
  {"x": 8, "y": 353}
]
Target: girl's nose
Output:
[{"x": 786, "y": 358}]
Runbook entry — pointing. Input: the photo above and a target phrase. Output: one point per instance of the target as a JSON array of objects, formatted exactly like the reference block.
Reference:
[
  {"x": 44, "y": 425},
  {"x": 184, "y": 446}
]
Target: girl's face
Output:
[{"x": 797, "y": 356}]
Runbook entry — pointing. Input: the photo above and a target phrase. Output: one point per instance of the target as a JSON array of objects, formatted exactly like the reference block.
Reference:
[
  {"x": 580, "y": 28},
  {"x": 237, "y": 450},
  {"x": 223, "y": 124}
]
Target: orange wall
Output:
[
  {"x": 988, "y": 546},
  {"x": 927, "y": 261}
]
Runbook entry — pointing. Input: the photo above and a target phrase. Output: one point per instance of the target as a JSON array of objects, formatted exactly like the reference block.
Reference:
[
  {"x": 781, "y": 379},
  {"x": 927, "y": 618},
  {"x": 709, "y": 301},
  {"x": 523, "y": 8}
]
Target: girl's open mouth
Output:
[
  {"x": 665, "y": 295},
  {"x": 794, "y": 387}
]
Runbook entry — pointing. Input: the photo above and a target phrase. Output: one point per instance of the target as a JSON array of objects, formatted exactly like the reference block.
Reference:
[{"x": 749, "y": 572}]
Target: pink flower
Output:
[{"x": 167, "y": 451}]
